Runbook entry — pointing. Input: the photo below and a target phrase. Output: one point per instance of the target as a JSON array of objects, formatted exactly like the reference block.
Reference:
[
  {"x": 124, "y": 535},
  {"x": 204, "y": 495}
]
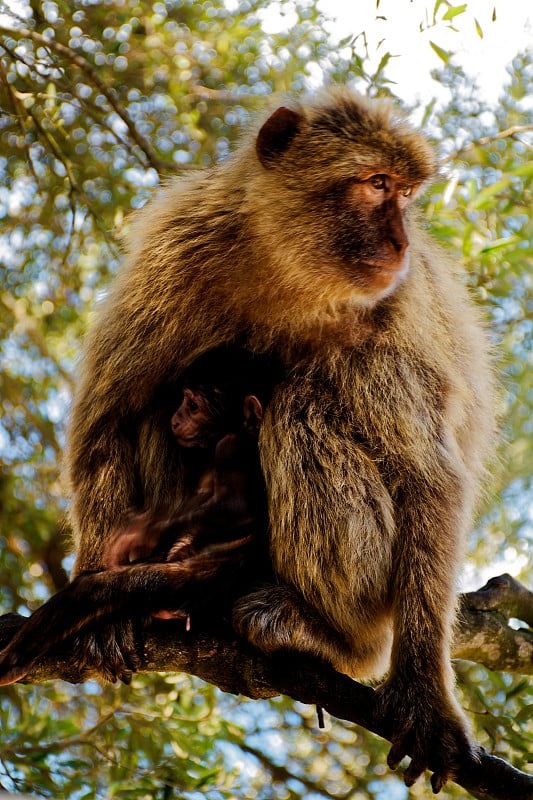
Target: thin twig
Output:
[
  {"x": 19, "y": 114},
  {"x": 511, "y": 132}
]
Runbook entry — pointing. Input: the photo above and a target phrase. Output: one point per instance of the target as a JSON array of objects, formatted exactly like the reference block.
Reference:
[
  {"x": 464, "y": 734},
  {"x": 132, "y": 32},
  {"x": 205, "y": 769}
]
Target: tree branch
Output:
[
  {"x": 508, "y": 133},
  {"x": 92, "y": 74},
  {"x": 236, "y": 667},
  {"x": 484, "y": 634}
]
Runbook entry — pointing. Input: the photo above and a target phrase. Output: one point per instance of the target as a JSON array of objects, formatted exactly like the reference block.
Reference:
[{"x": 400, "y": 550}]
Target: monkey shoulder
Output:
[{"x": 235, "y": 451}]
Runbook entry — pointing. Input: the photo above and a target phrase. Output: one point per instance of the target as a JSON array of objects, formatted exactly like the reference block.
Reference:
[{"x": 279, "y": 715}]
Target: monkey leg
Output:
[
  {"x": 417, "y": 700},
  {"x": 276, "y": 617}
]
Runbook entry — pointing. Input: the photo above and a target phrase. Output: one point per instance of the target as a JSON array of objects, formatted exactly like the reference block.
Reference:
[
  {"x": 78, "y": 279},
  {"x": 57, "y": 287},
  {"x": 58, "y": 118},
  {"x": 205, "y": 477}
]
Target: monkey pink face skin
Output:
[{"x": 190, "y": 421}]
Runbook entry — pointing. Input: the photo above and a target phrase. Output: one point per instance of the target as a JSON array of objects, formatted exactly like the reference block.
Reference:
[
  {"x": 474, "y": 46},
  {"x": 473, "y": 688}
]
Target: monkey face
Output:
[
  {"x": 191, "y": 423},
  {"x": 370, "y": 238}
]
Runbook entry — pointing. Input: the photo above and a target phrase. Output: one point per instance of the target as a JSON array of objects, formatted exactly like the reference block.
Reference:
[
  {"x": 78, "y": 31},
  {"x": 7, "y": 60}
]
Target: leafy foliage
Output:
[{"x": 101, "y": 99}]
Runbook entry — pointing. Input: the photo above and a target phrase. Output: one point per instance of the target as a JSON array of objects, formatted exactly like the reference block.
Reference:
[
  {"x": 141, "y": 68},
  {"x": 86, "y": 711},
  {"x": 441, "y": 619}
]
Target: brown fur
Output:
[{"x": 373, "y": 445}]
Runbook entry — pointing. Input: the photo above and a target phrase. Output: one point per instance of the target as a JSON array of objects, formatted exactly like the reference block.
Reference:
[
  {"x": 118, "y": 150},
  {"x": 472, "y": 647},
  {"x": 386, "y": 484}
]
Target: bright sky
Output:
[
  {"x": 406, "y": 28},
  {"x": 484, "y": 57}
]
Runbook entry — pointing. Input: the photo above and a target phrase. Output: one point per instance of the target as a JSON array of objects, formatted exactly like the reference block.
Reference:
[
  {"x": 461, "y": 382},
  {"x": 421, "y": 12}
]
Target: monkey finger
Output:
[
  {"x": 416, "y": 768},
  {"x": 397, "y": 752},
  {"x": 438, "y": 781}
]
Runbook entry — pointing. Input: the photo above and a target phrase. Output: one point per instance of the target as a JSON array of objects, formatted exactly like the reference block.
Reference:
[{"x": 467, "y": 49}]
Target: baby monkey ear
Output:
[
  {"x": 253, "y": 414},
  {"x": 276, "y": 135}
]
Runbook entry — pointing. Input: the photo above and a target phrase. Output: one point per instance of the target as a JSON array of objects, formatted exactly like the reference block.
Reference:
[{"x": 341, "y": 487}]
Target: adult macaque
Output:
[
  {"x": 307, "y": 244},
  {"x": 202, "y": 556}
]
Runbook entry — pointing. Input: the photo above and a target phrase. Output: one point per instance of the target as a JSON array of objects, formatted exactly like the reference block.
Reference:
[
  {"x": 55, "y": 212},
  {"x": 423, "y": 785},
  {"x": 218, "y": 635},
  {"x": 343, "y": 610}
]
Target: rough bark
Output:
[{"x": 484, "y": 634}]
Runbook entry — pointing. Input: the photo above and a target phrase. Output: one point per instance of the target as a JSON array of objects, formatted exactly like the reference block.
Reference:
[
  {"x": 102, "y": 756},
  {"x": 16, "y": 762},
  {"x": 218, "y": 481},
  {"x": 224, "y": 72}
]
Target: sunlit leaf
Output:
[
  {"x": 454, "y": 11},
  {"x": 442, "y": 54}
]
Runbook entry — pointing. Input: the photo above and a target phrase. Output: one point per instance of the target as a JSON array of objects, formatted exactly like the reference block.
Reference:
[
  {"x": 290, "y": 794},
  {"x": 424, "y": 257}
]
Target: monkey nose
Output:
[{"x": 400, "y": 243}]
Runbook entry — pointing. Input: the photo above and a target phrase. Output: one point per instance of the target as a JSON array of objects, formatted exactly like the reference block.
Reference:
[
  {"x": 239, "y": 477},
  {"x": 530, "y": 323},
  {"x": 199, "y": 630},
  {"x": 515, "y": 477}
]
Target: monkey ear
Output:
[
  {"x": 253, "y": 413},
  {"x": 276, "y": 135}
]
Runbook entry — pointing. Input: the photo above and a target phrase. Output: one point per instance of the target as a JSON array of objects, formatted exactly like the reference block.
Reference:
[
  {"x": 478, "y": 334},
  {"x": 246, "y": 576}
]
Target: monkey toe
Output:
[
  {"x": 397, "y": 752},
  {"x": 416, "y": 768},
  {"x": 12, "y": 675},
  {"x": 438, "y": 781},
  {"x": 126, "y": 677}
]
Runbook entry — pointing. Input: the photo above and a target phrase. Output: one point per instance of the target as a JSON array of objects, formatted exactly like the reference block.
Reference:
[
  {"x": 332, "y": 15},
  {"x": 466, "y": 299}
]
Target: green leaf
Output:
[
  {"x": 525, "y": 714},
  {"x": 383, "y": 63},
  {"x": 442, "y": 54},
  {"x": 499, "y": 244},
  {"x": 428, "y": 111},
  {"x": 485, "y": 196},
  {"x": 436, "y": 7},
  {"x": 479, "y": 29},
  {"x": 454, "y": 11},
  {"x": 524, "y": 170}
]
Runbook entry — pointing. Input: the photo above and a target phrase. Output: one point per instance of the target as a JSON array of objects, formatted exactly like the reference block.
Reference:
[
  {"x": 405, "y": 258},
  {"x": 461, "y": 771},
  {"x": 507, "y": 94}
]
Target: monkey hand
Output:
[
  {"x": 109, "y": 649},
  {"x": 134, "y": 541},
  {"x": 426, "y": 724}
]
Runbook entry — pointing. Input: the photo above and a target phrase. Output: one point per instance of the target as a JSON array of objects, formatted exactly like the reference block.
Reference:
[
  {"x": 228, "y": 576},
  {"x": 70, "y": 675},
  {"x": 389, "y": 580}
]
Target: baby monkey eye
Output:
[{"x": 190, "y": 402}]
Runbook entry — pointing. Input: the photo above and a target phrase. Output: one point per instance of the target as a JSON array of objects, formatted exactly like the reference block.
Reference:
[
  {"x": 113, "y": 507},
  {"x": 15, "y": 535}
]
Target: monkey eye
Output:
[
  {"x": 379, "y": 181},
  {"x": 193, "y": 405},
  {"x": 406, "y": 191}
]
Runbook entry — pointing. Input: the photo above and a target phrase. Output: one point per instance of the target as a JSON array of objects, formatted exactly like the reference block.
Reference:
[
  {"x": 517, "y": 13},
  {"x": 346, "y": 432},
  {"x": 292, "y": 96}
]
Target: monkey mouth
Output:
[
  {"x": 191, "y": 441},
  {"x": 395, "y": 269},
  {"x": 380, "y": 277},
  {"x": 395, "y": 266}
]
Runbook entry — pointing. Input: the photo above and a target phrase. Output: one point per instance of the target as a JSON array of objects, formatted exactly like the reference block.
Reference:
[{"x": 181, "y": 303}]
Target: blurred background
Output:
[{"x": 99, "y": 102}]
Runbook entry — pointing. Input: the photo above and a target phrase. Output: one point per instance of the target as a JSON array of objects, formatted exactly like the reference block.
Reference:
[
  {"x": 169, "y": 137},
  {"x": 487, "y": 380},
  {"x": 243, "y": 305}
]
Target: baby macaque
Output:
[
  {"x": 208, "y": 552},
  {"x": 226, "y": 497}
]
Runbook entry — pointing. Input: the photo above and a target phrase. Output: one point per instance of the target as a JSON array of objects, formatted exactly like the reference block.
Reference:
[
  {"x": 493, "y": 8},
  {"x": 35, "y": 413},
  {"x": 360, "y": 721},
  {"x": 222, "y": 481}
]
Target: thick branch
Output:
[
  {"x": 236, "y": 667},
  {"x": 484, "y": 634}
]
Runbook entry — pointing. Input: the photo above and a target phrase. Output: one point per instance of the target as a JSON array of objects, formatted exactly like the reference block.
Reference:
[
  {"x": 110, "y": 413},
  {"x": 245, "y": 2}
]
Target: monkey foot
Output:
[{"x": 435, "y": 738}]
